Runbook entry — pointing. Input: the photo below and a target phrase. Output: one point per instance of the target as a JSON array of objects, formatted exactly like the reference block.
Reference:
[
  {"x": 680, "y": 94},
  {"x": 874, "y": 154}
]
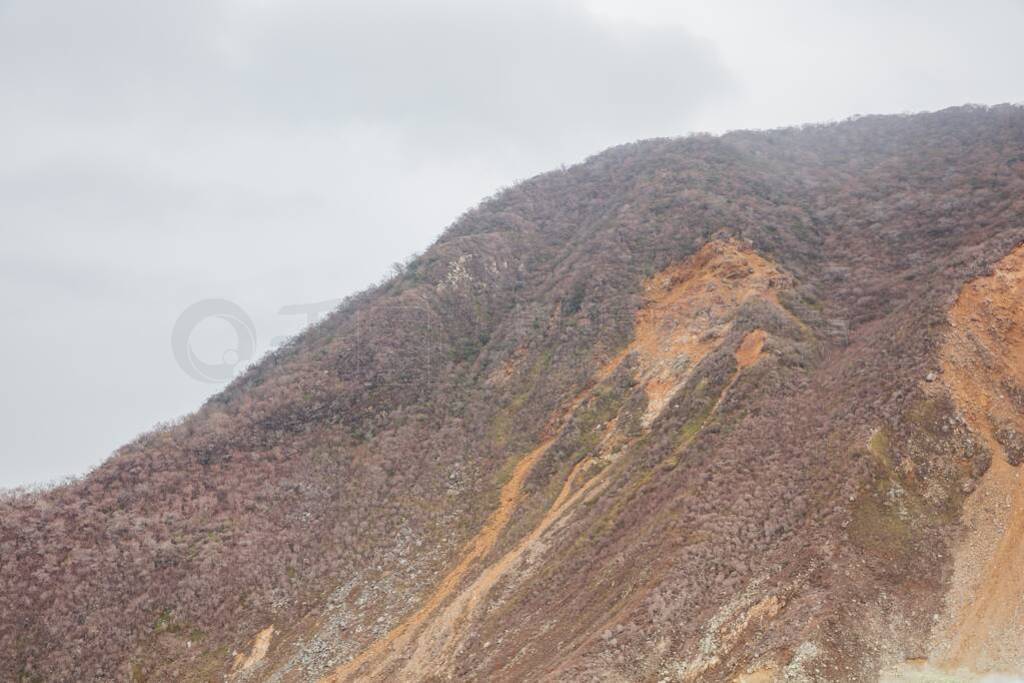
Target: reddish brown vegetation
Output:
[{"x": 737, "y": 532}]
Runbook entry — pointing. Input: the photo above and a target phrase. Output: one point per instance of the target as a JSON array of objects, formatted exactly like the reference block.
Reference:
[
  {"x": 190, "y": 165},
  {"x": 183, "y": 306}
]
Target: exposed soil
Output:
[
  {"x": 749, "y": 351},
  {"x": 983, "y": 366},
  {"x": 261, "y": 644},
  {"x": 478, "y": 547},
  {"x": 688, "y": 312}
]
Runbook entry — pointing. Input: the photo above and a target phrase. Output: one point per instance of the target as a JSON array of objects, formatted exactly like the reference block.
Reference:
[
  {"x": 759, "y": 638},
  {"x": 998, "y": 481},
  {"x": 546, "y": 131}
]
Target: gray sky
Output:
[{"x": 273, "y": 153}]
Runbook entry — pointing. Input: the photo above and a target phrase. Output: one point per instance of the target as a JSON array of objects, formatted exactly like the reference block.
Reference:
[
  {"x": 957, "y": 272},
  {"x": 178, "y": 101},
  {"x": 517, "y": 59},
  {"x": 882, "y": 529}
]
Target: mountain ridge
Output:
[{"x": 795, "y": 516}]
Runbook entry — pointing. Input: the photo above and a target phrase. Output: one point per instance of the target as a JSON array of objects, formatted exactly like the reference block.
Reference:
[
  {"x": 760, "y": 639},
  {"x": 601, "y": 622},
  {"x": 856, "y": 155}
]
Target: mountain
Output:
[{"x": 737, "y": 408}]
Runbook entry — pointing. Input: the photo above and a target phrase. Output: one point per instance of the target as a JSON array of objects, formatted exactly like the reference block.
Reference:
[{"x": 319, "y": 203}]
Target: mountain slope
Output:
[{"x": 695, "y": 409}]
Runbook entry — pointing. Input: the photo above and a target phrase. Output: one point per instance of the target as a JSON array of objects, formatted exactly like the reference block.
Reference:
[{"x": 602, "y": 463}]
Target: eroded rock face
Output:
[
  {"x": 690, "y": 308},
  {"x": 984, "y": 354}
]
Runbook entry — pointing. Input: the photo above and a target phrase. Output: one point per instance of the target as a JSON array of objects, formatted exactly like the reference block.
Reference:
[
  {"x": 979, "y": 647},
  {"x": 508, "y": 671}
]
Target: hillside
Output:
[{"x": 737, "y": 408}]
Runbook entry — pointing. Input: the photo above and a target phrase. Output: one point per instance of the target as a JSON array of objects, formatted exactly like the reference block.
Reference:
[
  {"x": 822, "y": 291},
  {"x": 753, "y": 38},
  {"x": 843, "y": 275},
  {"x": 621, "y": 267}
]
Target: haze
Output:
[{"x": 278, "y": 154}]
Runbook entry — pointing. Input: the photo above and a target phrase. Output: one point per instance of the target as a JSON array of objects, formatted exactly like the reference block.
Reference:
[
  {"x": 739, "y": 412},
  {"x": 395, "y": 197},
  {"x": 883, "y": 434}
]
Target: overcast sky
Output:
[{"x": 276, "y": 153}]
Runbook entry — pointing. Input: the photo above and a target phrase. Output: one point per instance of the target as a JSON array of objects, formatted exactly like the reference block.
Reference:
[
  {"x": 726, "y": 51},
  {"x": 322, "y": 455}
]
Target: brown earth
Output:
[
  {"x": 478, "y": 547},
  {"x": 983, "y": 366},
  {"x": 260, "y": 645},
  {"x": 688, "y": 312}
]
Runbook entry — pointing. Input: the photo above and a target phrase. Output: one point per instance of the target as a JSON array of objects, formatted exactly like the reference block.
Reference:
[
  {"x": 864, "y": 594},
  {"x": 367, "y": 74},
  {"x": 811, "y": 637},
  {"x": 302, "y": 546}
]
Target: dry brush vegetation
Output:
[{"x": 754, "y": 477}]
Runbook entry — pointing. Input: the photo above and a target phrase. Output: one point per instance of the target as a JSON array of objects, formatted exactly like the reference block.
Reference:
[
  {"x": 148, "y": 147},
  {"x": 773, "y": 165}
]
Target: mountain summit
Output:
[{"x": 738, "y": 408}]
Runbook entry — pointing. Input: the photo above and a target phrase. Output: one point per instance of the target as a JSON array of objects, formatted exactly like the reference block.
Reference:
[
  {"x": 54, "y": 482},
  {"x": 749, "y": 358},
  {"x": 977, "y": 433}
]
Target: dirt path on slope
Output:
[
  {"x": 477, "y": 548},
  {"x": 380, "y": 653},
  {"x": 437, "y": 647},
  {"x": 429, "y": 631}
]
